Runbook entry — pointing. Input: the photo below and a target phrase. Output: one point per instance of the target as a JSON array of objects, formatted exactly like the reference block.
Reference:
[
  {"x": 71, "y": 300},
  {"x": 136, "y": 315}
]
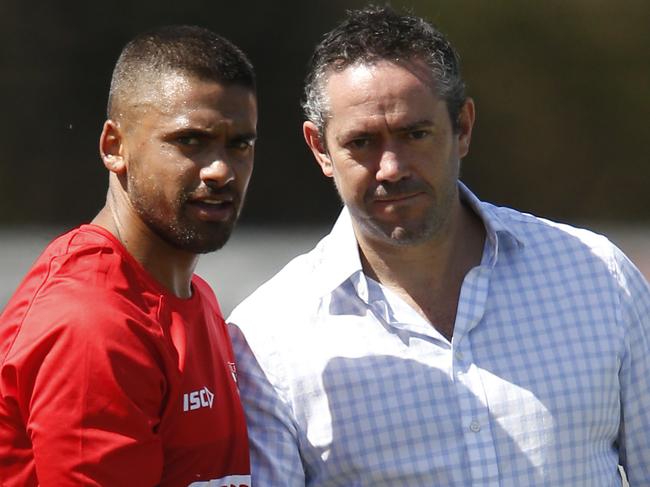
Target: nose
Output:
[
  {"x": 217, "y": 173},
  {"x": 391, "y": 167}
]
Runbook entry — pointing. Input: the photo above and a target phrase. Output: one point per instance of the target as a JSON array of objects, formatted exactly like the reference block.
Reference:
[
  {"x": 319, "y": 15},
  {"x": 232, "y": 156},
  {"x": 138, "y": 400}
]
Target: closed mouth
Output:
[{"x": 396, "y": 197}]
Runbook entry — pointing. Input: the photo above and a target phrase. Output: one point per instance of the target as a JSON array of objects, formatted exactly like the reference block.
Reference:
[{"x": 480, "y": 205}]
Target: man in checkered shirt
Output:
[{"x": 431, "y": 338}]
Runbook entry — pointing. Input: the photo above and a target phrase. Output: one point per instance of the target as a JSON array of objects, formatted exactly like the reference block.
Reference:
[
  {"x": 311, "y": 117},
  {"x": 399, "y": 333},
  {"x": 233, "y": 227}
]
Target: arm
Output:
[
  {"x": 275, "y": 453},
  {"x": 90, "y": 391},
  {"x": 634, "y": 435}
]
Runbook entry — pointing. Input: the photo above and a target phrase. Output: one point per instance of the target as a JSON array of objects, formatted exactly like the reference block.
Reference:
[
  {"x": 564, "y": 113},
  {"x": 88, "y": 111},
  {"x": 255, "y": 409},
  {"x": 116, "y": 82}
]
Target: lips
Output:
[
  {"x": 395, "y": 198},
  {"x": 388, "y": 192},
  {"x": 394, "y": 201},
  {"x": 213, "y": 209}
]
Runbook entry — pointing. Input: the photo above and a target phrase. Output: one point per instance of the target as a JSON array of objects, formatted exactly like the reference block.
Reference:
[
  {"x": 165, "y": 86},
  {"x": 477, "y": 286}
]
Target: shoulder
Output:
[
  {"x": 276, "y": 312},
  {"x": 94, "y": 276},
  {"x": 80, "y": 289},
  {"x": 86, "y": 259},
  {"x": 287, "y": 290},
  {"x": 571, "y": 255},
  {"x": 69, "y": 272},
  {"x": 546, "y": 237}
]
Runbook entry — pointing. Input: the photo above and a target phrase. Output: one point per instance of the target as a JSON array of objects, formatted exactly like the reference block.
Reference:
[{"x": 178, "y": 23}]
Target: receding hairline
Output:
[
  {"x": 416, "y": 64},
  {"x": 377, "y": 33}
]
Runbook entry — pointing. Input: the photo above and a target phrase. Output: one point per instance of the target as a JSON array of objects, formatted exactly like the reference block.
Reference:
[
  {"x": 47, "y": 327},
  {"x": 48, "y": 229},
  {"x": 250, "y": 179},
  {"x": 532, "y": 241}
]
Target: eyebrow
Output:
[
  {"x": 419, "y": 124},
  {"x": 246, "y": 136},
  {"x": 200, "y": 129},
  {"x": 415, "y": 126}
]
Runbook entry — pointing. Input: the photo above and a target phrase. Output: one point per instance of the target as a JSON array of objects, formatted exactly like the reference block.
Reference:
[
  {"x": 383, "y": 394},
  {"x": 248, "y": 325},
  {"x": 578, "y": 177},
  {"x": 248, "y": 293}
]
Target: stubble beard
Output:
[
  {"x": 174, "y": 228},
  {"x": 406, "y": 232}
]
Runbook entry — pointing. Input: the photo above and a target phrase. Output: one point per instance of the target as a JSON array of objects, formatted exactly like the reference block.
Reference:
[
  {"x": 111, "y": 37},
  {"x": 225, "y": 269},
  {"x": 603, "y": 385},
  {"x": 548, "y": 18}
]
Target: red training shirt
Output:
[{"x": 108, "y": 379}]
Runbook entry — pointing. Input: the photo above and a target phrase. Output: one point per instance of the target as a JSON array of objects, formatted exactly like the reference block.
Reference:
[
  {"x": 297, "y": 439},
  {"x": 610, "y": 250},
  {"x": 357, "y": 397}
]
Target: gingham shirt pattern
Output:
[{"x": 546, "y": 381}]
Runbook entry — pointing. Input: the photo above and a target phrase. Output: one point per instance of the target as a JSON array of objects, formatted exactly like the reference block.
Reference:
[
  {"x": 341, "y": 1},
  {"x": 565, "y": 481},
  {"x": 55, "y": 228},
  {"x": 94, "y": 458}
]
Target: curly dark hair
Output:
[{"x": 380, "y": 33}]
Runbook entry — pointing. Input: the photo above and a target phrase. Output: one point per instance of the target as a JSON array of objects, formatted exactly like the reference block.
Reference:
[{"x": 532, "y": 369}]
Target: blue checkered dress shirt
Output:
[{"x": 546, "y": 381}]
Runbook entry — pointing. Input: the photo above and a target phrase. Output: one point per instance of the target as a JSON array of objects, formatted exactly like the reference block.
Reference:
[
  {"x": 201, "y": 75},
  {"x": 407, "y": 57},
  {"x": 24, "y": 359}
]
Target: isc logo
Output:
[{"x": 198, "y": 399}]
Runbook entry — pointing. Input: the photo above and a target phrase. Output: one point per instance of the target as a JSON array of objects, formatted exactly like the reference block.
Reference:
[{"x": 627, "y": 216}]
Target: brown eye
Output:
[
  {"x": 360, "y": 143},
  {"x": 188, "y": 140},
  {"x": 418, "y": 134},
  {"x": 242, "y": 144}
]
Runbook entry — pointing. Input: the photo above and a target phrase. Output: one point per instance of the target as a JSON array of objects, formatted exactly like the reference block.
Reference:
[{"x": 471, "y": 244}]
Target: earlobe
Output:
[
  {"x": 110, "y": 147},
  {"x": 315, "y": 143}
]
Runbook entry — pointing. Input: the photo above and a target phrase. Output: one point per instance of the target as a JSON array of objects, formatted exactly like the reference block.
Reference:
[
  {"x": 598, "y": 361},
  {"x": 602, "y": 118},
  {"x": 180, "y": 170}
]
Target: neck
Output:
[
  {"x": 429, "y": 276},
  {"x": 171, "y": 267}
]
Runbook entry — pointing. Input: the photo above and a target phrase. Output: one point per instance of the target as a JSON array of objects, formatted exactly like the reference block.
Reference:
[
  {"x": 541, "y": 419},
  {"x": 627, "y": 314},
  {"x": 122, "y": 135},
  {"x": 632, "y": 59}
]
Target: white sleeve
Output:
[
  {"x": 273, "y": 437},
  {"x": 634, "y": 433}
]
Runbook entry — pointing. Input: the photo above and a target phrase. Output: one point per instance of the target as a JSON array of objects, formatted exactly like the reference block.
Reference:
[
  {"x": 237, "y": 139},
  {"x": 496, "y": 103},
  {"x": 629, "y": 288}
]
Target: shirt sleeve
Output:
[
  {"x": 634, "y": 435},
  {"x": 89, "y": 386},
  {"x": 273, "y": 436}
]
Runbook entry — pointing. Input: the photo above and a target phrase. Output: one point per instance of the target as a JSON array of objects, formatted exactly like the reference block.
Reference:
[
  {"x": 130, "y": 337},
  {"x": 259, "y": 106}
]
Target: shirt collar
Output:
[
  {"x": 338, "y": 258},
  {"x": 498, "y": 231}
]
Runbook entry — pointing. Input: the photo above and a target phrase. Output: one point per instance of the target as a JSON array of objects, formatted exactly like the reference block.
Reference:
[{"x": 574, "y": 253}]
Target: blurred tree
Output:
[
  {"x": 560, "y": 88},
  {"x": 561, "y": 103}
]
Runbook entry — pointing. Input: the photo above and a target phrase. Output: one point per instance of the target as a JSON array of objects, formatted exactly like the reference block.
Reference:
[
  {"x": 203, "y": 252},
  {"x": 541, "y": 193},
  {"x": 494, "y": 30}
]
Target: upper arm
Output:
[
  {"x": 274, "y": 444},
  {"x": 634, "y": 437},
  {"x": 90, "y": 391}
]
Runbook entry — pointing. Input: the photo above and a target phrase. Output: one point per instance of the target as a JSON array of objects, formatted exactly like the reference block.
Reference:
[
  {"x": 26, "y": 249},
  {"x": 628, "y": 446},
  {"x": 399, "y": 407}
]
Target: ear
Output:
[
  {"x": 466, "y": 119},
  {"x": 111, "y": 147},
  {"x": 316, "y": 144}
]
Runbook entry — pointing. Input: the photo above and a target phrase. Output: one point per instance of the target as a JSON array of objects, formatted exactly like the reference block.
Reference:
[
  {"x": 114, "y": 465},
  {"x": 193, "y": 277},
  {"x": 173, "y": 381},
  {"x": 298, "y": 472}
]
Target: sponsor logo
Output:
[
  {"x": 229, "y": 481},
  {"x": 233, "y": 371},
  {"x": 202, "y": 398}
]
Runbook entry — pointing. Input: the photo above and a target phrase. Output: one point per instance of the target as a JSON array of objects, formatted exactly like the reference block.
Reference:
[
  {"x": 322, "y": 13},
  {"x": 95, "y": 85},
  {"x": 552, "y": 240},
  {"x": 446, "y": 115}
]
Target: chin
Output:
[
  {"x": 198, "y": 241},
  {"x": 403, "y": 237},
  {"x": 406, "y": 235},
  {"x": 201, "y": 247},
  {"x": 208, "y": 243}
]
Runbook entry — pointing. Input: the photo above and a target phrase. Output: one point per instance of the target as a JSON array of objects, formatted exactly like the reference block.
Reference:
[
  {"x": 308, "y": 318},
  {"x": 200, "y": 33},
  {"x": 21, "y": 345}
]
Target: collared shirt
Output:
[{"x": 546, "y": 380}]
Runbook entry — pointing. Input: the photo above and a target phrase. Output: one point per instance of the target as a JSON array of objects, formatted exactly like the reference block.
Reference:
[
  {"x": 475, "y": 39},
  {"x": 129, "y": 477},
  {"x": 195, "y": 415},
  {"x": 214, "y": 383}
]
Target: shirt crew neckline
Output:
[{"x": 144, "y": 275}]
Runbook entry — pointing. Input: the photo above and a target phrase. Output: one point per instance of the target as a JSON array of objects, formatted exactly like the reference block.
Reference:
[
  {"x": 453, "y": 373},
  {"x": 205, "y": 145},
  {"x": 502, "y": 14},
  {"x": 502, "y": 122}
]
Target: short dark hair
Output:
[
  {"x": 380, "y": 33},
  {"x": 185, "y": 49}
]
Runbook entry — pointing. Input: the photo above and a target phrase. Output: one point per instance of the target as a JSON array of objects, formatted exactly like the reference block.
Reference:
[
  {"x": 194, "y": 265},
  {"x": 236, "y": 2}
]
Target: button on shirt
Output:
[{"x": 546, "y": 380}]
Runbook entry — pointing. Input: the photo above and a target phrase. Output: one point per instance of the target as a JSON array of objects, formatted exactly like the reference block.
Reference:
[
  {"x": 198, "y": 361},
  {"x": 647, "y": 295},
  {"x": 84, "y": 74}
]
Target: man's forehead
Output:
[
  {"x": 148, "y": 89},
  {"x": 172, "y": 93},
  {"x": 160, "y": 89},
  {"x": 182, "y": 100},
  {"x": 378, "y": 83},
  {"x": 360, "y": 68},
  {"x": 392, "y": 95}
]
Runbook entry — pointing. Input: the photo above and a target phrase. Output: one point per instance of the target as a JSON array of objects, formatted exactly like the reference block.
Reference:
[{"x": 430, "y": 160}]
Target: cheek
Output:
[
  {"x": 437, "y": 160},
  {"x": 352, "y": 181},
  {"x": 167, "y": 189},
  {"x": 243, "y": 170},
  {"x": 246, "y": 169}
]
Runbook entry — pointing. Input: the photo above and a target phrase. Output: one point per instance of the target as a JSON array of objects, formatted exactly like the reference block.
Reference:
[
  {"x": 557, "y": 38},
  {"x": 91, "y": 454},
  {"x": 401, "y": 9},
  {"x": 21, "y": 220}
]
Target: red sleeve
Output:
[{"x": 90, "y": 385}]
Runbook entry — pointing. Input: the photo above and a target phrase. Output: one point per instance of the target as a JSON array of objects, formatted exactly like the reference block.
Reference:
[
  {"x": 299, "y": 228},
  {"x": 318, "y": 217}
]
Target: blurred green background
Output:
[{"x": 561, "y": 89}]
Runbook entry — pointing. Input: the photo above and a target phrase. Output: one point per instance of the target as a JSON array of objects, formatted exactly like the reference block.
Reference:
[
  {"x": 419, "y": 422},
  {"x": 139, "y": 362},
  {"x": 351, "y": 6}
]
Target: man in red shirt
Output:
[{"x": 115, "y": 364}]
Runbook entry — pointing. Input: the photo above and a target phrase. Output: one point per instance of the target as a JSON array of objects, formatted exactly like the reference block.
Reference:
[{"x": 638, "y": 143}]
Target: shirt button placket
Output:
[{"x": 474, "y": 417}]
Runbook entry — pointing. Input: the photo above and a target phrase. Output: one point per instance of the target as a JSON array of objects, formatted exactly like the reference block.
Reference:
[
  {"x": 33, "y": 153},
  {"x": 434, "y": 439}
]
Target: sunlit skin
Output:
[
  {"x": 390, "y": 147},
  {"x": 180, "y": 158}
]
